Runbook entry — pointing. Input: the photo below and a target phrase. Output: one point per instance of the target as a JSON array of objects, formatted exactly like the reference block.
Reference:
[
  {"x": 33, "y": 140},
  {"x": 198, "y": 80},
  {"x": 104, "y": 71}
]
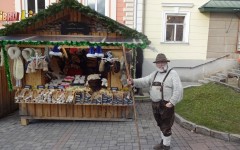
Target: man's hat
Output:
[{"x": 161, "y": 58}]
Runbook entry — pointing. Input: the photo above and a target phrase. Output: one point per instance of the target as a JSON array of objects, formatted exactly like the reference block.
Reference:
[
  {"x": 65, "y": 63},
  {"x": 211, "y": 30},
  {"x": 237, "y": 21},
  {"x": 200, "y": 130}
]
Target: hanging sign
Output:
[{"x": 9, "y": 16}]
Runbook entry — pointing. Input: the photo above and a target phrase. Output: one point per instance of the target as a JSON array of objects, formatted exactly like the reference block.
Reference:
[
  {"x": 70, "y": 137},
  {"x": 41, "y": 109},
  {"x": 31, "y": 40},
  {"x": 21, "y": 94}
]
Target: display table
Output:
[{"x": 74, "y": 112}]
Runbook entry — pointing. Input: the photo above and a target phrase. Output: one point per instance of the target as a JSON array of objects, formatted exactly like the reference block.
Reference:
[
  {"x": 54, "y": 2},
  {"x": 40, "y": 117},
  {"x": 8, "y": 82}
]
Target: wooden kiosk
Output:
[{"x": 72, "y": 29}]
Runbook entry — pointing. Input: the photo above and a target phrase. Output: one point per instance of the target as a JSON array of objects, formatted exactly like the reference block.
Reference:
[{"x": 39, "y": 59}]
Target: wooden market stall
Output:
[{"x": 70, "y": 65}]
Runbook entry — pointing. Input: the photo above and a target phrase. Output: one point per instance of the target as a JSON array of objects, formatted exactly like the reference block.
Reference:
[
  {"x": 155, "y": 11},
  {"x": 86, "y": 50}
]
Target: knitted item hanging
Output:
[
  {"x": 73, "y": 50},
  {"x": 124, "y": 79},
  {"x": 101, "y": 66},
  {"x": 14, "y": 52},
  {"x": 46, "y": 54},
  {"x": 31, "y": 67},
  {"x": 99, "y": 52},
  {"x": 38, "y": 54},
  {"x": 116, "y": 66},
  {"x": 45, "y": 65},
  {"x": 108, "y": 55},
  {"x": 64, "y": 52},
  {"x": 107, "y": 66},
  {"x": 91, "y": 52},
  {"x": 27, "y": 53},
  {"x": 56, "y": 51},
  {"x": 104, "y": 82},
  {"x": 122, "y": 64},
  {"x": 18, "y": 67}
]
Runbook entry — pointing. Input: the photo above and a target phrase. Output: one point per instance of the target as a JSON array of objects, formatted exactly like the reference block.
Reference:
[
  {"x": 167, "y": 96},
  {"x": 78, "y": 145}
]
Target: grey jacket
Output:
[{"x": 172, "y": 88}]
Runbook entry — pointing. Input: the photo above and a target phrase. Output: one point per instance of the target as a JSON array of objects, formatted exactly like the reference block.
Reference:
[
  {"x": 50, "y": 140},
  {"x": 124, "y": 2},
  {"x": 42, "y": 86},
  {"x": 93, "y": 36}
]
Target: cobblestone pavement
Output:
[{"x": 90, "y": 135}]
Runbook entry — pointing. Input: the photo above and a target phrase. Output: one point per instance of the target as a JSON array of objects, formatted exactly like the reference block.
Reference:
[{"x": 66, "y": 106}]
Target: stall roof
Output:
[
  {"x": 111, "y": 26},
  {"x": 72, "y": 38},
  {"x": 221, "y": 6}
]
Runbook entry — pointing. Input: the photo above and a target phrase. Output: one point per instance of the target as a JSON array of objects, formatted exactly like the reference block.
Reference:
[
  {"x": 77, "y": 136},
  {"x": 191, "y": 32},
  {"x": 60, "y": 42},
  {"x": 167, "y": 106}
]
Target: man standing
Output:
[{"x": 165, "y": 91}]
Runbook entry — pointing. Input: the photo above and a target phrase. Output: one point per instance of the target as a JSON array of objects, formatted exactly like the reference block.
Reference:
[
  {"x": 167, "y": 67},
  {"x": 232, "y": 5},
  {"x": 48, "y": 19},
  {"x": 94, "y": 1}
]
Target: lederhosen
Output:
[{"x": 163, "y": 115}]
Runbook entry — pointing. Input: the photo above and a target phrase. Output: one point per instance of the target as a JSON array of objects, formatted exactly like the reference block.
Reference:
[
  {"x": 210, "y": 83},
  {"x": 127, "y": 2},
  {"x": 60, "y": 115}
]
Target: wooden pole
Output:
[{"x": 131, "y": 91}]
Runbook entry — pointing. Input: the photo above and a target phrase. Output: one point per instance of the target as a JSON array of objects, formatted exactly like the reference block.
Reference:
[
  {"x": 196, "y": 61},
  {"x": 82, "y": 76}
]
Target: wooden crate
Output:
[{"x": 75, "y": 112}]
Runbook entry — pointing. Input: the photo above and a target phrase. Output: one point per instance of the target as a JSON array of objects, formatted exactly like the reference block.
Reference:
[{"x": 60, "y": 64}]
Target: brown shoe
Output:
[{"x": 158, "y": 146}]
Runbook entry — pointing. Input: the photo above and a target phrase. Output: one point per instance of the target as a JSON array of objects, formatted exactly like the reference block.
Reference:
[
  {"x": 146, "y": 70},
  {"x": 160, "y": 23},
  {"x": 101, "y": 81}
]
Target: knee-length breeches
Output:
[{"x": 164, "y": 116}]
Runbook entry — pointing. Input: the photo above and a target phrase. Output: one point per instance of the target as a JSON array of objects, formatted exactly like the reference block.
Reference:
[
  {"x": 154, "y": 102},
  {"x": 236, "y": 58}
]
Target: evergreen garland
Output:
[
  {"x": 6, "y": 65},
  {"x": 73, "y": 43}
]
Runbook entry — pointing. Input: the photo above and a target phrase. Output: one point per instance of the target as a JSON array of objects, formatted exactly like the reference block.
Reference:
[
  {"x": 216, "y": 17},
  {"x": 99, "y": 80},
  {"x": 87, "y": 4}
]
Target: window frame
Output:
[
  {"x": 36, "y": 7},
  {"x": 185, "y": 27},
  {"x": 106, "y": 6}
]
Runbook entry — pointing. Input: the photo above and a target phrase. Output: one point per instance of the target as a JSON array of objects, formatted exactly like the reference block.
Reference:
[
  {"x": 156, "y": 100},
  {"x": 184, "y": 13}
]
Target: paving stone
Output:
[
  {"x": 84, "y": 135},
  {"x": 199, "y": 146}
]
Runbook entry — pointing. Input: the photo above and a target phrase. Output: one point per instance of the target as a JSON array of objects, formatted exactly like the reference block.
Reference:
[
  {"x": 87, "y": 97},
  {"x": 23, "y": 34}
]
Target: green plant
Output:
[{"x": 212, "y": 105}]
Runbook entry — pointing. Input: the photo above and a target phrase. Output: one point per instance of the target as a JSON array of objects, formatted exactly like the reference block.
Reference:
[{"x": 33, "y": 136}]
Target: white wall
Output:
[
  {"x": 196, "y": 48},
  {"x": 194, "y": 70},
  {"x": 18, "y": 6}
]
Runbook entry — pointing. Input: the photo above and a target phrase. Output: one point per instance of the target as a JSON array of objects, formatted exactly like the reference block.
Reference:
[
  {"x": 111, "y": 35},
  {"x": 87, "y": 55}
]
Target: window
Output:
[
  {"x": 41, "y": 5},
  {"x": 98, "y": 5},
  {"x": 175, "y": 27},
  {"x": 34, "y": 6}
]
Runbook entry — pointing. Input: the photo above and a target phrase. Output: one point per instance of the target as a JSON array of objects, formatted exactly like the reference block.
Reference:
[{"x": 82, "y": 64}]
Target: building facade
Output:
[{"x": 119, "y": 10}]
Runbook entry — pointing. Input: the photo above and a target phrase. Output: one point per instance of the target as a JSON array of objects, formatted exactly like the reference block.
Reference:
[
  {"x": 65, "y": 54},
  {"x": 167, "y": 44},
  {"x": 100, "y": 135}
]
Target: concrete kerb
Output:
[{"x": 198, "y": 128}]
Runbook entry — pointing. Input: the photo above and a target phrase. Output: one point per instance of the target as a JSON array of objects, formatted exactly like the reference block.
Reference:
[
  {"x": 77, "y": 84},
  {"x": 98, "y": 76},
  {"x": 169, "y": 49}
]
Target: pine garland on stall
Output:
[{"x": 6, "y": 65}]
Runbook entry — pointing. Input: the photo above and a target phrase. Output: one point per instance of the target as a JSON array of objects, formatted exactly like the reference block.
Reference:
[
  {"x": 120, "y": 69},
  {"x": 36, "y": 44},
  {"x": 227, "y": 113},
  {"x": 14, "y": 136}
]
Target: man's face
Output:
[{"x": 161, "y": 65}]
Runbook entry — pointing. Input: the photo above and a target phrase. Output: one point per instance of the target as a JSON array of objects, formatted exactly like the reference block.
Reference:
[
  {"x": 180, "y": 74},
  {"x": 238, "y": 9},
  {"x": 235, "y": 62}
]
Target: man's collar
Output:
[{"x": 163, "y": 71}]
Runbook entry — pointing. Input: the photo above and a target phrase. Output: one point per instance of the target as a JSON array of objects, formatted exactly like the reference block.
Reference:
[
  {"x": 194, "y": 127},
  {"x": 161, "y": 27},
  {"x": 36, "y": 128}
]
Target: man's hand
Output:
[{"x": 169, "y": 105}]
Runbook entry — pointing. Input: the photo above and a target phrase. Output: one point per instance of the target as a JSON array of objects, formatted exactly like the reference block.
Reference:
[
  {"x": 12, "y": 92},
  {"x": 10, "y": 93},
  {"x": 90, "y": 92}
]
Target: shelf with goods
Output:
[
  {"x": 103, "y": 97},
  {"x": 41, "y": 98}
]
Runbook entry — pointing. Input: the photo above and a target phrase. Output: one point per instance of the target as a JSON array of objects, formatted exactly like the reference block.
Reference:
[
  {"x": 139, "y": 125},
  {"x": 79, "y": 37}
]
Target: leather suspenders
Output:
[{"x": 161, "y": 89}]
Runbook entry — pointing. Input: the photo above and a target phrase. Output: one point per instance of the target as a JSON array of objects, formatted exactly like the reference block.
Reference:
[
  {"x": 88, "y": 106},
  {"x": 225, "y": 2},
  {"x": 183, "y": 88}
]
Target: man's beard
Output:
[{"x": 163, "y": 69}]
